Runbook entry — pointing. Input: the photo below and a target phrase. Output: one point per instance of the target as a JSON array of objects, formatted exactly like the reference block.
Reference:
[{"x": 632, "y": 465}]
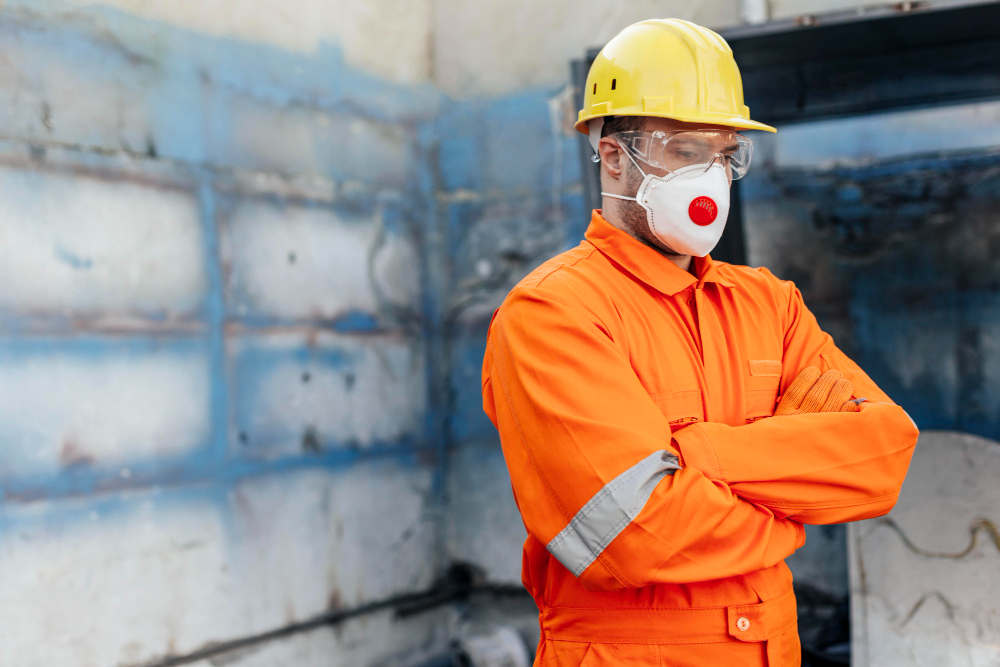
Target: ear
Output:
[{"x": 611, "y": 156}]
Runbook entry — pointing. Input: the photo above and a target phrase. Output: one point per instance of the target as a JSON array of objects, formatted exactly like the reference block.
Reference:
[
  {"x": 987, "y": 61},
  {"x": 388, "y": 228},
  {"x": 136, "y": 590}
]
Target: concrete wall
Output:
[
  {"x": 214, "y": 396},
  {"x": 388, "y": 39},
  {"x": 925, "y": 579},
  {"x": 499, "y": 48}
]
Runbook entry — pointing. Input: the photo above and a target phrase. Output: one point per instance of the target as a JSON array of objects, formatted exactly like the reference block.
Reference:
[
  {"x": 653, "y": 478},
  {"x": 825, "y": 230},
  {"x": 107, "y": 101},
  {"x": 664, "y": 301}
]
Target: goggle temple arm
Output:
[{"x": 594, "y": 127}]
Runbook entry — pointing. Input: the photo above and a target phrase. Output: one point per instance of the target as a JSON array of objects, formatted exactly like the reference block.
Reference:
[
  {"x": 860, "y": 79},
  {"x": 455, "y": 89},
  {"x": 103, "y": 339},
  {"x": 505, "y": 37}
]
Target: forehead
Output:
[{"x": 653, "y": 124}]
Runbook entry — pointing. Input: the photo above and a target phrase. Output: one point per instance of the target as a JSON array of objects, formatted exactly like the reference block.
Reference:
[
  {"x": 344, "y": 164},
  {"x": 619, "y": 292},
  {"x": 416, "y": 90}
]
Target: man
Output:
[{"x": 634, "y": 382}]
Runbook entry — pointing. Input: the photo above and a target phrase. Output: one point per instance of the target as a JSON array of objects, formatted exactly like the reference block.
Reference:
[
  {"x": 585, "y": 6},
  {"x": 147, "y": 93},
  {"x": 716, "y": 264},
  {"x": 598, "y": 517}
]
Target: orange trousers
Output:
[{"x": 740, "y": 636}]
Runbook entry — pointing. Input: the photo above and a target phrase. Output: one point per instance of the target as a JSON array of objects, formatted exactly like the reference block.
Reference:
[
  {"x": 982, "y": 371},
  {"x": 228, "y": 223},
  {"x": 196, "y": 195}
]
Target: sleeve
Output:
[
  {"x": 808, "y": 345},
  {"x": 591, "y": 465},
  {"x": 813, "y": 468}
]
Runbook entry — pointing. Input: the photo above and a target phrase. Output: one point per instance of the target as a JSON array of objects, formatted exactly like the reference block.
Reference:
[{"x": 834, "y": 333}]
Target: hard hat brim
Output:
[{"x": 731, "y": 121}]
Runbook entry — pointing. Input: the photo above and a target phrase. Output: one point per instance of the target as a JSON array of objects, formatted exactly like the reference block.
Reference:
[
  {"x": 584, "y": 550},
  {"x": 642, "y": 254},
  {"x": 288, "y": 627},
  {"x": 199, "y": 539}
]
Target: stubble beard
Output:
[{"x": 633, "y": 216}]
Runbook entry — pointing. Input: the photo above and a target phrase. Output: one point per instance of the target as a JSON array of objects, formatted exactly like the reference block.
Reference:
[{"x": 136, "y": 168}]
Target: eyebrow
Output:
[{"x": 733, "y": 148}]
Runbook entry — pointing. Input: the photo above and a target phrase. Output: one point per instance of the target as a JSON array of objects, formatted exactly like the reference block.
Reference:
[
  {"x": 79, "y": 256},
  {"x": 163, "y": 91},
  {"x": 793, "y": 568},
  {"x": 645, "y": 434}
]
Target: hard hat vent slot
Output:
[{"x": 613, "y": 82}]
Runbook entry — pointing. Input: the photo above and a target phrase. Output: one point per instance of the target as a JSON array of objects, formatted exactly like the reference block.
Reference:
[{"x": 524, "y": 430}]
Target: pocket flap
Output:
[
  {"x": 765, "y": 368},
  {"x": 681, "y": 407}
]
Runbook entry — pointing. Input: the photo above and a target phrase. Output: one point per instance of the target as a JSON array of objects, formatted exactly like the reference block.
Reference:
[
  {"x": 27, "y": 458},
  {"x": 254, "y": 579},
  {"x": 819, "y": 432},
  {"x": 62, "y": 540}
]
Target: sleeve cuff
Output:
[{"x": 697, "y": 452}]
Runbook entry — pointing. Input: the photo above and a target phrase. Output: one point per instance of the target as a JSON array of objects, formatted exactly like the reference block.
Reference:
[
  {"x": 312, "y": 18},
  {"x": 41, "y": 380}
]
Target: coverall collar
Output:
[{"x": 648, "y": 265}]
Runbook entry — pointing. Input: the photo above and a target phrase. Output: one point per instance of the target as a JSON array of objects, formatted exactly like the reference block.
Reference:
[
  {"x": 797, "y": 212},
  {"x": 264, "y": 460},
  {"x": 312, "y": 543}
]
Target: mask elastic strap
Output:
[{"x": 629, "y": 155}]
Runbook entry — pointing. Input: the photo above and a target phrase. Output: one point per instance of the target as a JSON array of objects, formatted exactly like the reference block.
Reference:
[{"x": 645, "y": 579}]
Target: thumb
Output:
[{"x": 853, "y": 405}]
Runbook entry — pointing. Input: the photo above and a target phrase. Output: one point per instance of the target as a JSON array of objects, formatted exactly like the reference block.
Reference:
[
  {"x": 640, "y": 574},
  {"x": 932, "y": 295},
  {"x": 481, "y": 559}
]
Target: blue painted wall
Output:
[
  {"x": 243, "y": 302},
  {"x": 218, "y": 413},
  {"x": 510, "y": 198}
]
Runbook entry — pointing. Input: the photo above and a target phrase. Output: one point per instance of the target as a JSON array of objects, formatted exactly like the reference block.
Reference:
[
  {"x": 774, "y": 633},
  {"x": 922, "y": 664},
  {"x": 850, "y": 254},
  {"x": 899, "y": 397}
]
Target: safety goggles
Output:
[{"x": 675, "y": 150}]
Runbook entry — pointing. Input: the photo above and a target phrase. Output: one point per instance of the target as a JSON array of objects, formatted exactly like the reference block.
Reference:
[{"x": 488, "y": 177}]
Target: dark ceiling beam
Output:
[{"x": 908, "y": 56}]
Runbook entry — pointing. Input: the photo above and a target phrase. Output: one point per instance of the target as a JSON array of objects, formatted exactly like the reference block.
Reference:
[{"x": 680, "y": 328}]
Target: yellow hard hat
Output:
[{"x": 667, "y": 68}]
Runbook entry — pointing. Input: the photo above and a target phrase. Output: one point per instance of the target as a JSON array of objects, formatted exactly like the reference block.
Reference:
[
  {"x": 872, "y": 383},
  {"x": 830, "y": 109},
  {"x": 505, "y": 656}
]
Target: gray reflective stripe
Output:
[{"x": 611, "y": 509}]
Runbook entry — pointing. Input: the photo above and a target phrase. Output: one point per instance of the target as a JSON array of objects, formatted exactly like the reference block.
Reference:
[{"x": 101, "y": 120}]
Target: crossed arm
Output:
[
  {"x": 817, "y": 468},
  {"x": 625, "y": 514}
]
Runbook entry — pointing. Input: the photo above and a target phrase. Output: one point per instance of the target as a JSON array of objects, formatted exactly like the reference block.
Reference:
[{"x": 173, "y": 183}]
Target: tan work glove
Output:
[{"x": 815, "y": 392}]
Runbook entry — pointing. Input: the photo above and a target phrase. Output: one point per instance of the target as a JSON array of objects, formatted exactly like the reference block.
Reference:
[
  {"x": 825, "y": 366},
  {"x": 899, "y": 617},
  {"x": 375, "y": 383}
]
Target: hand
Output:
[{"x": 815, "y": 392}]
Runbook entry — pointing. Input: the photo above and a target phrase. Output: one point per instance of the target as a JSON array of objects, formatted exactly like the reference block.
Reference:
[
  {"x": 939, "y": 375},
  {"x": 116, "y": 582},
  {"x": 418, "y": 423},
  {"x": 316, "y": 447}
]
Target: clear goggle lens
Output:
[{"x": 675, "y": 150}]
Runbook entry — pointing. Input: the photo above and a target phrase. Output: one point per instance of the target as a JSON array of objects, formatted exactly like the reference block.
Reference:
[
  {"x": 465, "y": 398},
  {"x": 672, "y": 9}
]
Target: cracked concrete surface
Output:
[{"x": 925, "y": 579}]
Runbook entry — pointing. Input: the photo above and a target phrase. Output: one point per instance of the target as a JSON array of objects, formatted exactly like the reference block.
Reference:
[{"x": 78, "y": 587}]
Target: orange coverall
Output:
[{"x": 607, "y": 360}]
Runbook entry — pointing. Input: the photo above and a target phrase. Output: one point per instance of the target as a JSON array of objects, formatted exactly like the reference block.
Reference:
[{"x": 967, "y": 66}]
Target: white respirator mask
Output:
[{"x": 687, "y": 208}]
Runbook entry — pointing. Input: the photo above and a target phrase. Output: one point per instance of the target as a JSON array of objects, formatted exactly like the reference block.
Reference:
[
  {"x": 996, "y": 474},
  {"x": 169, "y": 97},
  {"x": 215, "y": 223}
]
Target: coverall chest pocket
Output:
[
  {"x": 762, "y": 385},
  {"x": 681, "y": 408}
]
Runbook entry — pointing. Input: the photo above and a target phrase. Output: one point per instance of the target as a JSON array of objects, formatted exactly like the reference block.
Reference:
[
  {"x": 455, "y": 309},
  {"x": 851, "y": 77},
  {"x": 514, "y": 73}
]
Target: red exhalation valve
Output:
[{"x": 703, "y": 211}]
